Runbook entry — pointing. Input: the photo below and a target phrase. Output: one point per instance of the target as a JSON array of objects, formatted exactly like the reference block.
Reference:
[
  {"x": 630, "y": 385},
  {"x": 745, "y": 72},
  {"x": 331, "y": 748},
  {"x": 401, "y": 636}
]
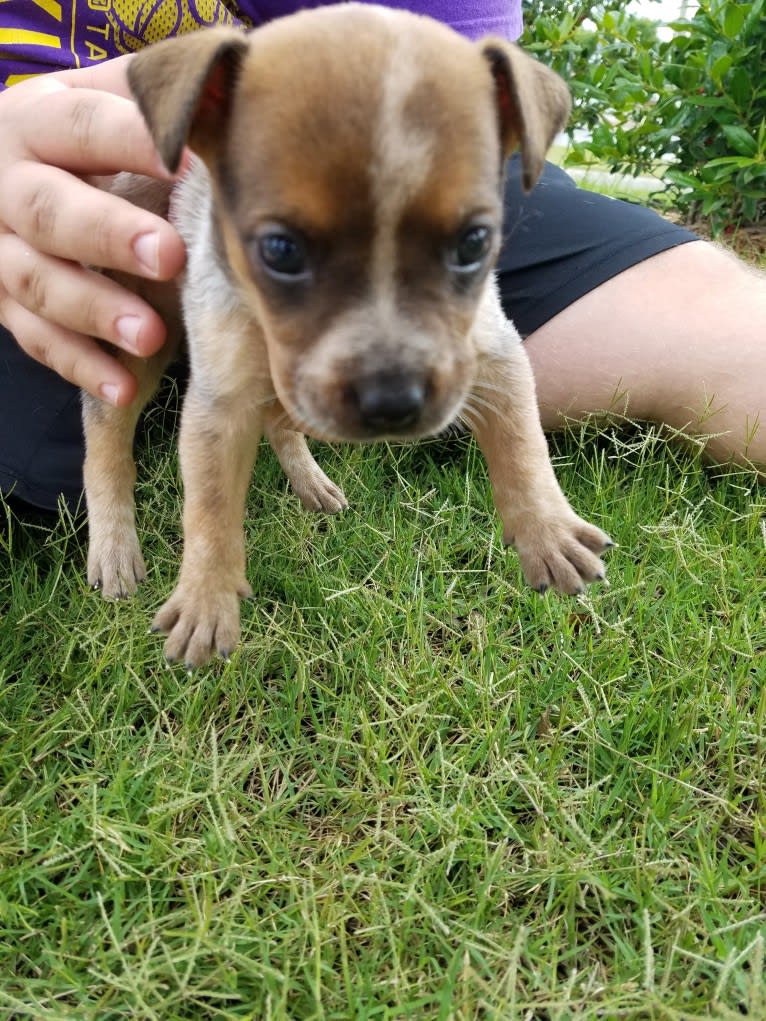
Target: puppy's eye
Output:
[
  {"x": 283, "y": 255},
  {"x": 471, "y": 248}
]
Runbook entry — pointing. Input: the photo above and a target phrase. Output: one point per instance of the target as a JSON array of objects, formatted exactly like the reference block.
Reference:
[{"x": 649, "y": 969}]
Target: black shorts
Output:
[{"x": 560, "y": 242}]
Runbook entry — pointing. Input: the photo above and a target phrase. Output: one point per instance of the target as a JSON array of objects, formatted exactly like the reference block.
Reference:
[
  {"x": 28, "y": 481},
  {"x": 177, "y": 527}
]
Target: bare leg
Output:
[{"x": 679, "y": 338}]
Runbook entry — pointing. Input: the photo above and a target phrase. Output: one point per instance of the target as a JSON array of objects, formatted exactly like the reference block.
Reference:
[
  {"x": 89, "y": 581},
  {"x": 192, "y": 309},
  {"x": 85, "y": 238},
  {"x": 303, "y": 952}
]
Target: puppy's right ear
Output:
[{"x": 184, "y": 86}]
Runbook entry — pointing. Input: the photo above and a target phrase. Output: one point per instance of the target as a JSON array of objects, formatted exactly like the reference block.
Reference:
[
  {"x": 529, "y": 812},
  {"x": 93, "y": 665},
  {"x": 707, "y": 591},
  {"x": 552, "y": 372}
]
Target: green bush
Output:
[{"x": 695, "y": 102}]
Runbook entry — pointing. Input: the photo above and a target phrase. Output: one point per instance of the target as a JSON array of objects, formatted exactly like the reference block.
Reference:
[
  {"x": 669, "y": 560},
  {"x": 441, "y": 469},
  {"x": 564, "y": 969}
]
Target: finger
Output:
[
  {"x": 78, "y": 299},
  {"x": 109, "y": 76},
  {"x": 77, "y": 359},
  {"x": 62, "y": 215},
  {"x": 87, "y": 131}
]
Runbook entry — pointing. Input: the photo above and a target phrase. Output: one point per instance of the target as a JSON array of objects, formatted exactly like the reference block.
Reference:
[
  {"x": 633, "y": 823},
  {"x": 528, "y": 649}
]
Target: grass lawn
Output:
[{"x": 417, "y": 790}]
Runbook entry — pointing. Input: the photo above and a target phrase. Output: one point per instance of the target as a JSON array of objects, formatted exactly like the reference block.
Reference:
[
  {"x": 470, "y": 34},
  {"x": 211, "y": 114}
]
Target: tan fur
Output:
[{"x": 377, "y": 138}]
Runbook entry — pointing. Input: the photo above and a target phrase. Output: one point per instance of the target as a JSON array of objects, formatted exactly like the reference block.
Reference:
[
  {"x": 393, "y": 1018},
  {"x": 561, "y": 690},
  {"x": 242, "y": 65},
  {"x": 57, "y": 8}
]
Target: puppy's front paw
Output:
[
  {"x": 559, "y": 551},
  {"x": 200, "y": 620},
  {"x": 310, "y": 484},
  {"x": 115, "y": 564},
  {"x": 317, "y": 492}
]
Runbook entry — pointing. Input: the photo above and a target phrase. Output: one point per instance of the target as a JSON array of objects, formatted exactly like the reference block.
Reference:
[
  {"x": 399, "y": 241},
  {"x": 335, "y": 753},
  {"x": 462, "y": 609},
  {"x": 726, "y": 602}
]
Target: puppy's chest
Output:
[{"x": 207, "y": 285}]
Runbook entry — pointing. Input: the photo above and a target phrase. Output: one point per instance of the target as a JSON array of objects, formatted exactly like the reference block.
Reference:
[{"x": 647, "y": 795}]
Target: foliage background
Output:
[{"x": 688, "y": 102}]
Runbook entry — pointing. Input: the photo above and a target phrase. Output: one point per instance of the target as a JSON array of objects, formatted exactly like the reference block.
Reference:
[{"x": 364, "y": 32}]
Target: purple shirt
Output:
[{"x": 37, "y": 36}]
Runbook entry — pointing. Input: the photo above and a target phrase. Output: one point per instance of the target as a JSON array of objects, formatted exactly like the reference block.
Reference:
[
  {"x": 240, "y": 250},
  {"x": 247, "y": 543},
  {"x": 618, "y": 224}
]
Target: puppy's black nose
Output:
[{"x": 389, "y": 402}]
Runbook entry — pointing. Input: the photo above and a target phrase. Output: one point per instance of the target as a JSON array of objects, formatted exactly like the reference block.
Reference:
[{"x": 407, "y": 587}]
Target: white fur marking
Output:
[{"x": 402, "y": 161}]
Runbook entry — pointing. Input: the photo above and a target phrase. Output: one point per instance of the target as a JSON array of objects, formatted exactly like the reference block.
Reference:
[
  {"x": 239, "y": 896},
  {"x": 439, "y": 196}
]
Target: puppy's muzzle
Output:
[{"x": 388, "y": 402}]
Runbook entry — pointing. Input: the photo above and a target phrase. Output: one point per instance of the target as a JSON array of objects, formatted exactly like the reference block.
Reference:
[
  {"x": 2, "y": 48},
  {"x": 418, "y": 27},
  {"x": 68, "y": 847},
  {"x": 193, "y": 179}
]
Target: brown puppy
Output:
[{"x": 342, "y": 220}]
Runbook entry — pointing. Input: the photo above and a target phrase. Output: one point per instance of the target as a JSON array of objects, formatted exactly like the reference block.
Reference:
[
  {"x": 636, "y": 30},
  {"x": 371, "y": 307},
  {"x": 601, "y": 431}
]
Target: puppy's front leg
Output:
[
  {"x": 115, "y": 563},
  {"x": 218, "y": 443},
  {"x": 556, "y": 548},
  {"x": 312, "y": 487}
]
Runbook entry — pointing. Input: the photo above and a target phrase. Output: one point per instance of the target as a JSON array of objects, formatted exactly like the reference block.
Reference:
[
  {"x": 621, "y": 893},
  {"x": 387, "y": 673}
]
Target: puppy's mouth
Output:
[
  {"x": 365, "y": 380},
  {"x": 386, "y": 405}
]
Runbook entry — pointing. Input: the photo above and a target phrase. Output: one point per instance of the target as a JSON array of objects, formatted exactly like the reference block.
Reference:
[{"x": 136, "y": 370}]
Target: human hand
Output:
[{"x": 59, "y": 132}]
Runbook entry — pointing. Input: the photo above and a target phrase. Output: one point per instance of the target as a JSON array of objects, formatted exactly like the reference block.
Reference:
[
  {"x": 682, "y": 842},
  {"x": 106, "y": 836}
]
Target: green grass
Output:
[{"x": 417, "y": 790}]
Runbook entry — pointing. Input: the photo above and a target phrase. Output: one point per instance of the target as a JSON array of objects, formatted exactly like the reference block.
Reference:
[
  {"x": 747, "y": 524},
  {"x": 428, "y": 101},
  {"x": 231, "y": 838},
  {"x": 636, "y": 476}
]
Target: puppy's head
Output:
[{"x": 356, "y": 155}]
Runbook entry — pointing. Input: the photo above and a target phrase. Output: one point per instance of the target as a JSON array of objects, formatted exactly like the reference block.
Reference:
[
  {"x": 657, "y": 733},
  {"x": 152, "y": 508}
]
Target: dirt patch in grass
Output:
[{"x": 747, "y": 242}]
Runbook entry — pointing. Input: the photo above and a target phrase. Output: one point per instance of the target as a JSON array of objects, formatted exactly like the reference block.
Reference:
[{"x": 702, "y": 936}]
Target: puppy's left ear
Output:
[{"x": 533, "y": 104}]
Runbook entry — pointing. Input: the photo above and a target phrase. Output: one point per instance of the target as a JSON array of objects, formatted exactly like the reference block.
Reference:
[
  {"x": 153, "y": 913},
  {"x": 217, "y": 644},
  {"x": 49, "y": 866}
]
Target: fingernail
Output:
[
  {"x": 110, "y": 393},
  {"x": 128, "y": 328},
  {"x": 147, "y": 250}
]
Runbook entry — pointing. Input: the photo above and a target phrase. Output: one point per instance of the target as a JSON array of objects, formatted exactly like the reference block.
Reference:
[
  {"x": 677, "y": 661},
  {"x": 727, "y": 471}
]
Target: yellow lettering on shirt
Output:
[
  {"x": 95, "y": 52},
  {"x": 52, "y": 7},
  {"x": 24, "y": 37},
  {"x": 14, "y": 79}
]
